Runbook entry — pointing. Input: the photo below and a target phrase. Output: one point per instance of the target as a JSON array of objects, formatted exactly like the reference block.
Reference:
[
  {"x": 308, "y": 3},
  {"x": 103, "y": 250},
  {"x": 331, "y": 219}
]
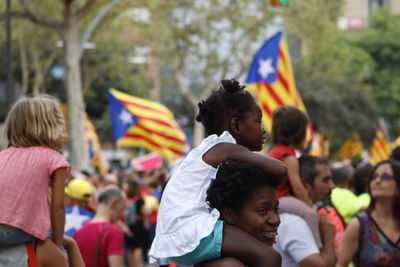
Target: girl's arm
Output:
[
  {"x": 57, "y": 210},
  {"x": 295, "y": 181},
  {"x": 227, "y": 151},
  {"x": 349, "y": 245}
]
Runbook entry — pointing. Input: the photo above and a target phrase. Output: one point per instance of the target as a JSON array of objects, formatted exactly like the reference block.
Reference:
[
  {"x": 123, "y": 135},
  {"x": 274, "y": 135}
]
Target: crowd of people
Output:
[{"x": 224, "y": 205}]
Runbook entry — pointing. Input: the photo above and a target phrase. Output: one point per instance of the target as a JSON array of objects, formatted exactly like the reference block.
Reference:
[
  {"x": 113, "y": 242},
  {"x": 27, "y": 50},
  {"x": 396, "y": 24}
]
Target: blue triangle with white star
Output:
[
  {"x": 265, "y": 61},
  {"x": 121, "y": 118}
]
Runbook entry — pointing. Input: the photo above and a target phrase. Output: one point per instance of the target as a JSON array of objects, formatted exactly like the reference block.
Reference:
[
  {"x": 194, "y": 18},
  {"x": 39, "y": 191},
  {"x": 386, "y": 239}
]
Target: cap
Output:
[{"x": 79, "y": 189}]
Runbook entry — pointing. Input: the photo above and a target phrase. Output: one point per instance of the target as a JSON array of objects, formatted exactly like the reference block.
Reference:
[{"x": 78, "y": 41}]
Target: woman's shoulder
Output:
[{"x": 355, "y": 223}]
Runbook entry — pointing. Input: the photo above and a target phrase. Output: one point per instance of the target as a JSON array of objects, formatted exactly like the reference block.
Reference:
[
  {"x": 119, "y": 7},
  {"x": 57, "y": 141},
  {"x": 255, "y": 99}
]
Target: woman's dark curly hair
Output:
[
  {"x": 229, "y": 101},
  {"x": 289, "y": 125},
  {"x": 235, "y": 183}
]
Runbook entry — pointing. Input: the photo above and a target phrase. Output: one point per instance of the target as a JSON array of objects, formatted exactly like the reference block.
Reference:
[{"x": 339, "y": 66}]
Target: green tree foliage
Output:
[
  {"x": 381, "y": 43},
  {"x": 330, "y": 72},
  {"x": 201, "y": 42}
]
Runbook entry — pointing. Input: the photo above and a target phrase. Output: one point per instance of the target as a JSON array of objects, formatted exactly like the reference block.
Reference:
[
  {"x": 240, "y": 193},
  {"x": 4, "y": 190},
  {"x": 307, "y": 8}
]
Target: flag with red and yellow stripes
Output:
[
  {"x": 396, "y": 142},
  {"x": 319, "y": 146},
  {"x": 140, "y": 122},
  {"x": 271, "y": 77},
  {"x": 93, "y": 144},
  {"x": 380, "y": 148},
  {"x": 351, "y": 148}
]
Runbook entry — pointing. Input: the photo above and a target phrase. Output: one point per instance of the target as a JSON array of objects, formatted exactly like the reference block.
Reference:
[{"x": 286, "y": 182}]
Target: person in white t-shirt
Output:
[{"x": 295, "y": 241}]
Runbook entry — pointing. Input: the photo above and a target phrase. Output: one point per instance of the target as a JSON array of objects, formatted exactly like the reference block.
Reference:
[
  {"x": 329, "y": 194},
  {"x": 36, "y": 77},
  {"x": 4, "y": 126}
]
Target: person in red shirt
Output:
[
  {"x": 289, "y": 128},
  {"x": 100, "y": 241}
]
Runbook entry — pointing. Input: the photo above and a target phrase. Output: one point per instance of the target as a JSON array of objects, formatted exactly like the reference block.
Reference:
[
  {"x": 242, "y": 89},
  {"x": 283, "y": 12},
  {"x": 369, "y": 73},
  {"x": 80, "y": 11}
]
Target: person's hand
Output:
[
  {"x": 326, "y": 229},
  {"x": 124, "y": 228}
]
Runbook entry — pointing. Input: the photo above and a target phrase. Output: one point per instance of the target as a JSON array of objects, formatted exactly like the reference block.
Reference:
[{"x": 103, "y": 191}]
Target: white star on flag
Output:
[
  {"x": 75, "y": 220},
  {"x": 125, "y": 117},
  {"x": 265, "y": 68}
]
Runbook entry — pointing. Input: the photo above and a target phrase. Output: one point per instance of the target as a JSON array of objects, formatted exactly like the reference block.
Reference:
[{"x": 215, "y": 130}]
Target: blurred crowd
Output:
[{"x": 341, "y": 200}]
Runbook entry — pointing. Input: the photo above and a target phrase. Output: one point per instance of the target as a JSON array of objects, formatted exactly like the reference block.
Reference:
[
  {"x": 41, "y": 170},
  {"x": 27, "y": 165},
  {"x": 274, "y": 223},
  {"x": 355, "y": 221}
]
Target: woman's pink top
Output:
[
  {"x": 279, "y": 152},
  {"x": 25, "y": 176}
]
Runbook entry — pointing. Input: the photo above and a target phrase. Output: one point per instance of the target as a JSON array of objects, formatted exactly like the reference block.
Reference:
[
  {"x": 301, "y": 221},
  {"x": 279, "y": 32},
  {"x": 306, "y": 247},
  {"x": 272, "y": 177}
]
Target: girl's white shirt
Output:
[{"x": 184, "y": 217}]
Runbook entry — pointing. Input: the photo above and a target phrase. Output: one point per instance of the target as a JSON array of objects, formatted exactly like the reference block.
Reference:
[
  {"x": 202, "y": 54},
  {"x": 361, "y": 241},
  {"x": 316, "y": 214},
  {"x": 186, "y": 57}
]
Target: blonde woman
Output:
[
  {"x": 31, "y": 163},
  {"x": 373, "y": 237}
]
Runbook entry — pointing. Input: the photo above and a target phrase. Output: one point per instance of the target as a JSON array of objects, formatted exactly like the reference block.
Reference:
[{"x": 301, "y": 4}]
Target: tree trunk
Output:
[
  {"x": 24, "y": 67},
  {"x": 154, "y": 73},
  {"x": 79, "y": 157},
  {"x": 37, "y": 70},
  {"x": 198, "y": 129}
]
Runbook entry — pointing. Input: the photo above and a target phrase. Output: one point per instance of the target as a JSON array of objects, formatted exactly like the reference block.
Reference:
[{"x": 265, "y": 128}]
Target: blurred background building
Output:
[{"x": 356, "y": 12}]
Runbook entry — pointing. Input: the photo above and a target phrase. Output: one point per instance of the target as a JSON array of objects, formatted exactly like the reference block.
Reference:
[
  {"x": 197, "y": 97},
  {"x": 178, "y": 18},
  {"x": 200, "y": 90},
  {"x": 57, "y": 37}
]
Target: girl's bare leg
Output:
[{"x": 49, "y": 255}]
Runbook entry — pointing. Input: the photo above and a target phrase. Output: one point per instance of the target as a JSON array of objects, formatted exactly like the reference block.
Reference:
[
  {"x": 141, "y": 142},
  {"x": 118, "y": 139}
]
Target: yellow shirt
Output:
[{"x": 347, "y": 203}]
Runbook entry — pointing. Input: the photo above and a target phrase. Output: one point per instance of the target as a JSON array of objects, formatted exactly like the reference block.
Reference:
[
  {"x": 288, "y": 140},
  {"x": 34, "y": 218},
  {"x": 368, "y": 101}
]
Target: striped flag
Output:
[
  {"x": 396, "y": 142},
  {"x": 93, "y": 144},
  {"x": 380, "y": 148},
  {"x": 319, "y": 146},
  {"x": 351, "y": 147},
  {"x": 271, "y": 78},
  {"x": 140, "y": 122}
]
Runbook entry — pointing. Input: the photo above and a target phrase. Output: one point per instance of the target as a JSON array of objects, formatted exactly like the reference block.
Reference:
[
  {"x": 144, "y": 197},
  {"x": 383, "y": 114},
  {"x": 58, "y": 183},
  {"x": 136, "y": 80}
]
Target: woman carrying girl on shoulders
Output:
[{"x": 188, "y": 230}]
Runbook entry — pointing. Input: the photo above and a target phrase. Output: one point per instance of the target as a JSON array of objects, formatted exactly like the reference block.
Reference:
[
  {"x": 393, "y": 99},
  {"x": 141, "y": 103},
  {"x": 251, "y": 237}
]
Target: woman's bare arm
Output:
[{"x": 349, "y": 245}]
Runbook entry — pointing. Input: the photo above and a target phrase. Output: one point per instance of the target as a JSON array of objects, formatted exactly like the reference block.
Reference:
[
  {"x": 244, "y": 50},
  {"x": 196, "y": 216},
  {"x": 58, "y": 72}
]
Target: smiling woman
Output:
[
  {"x": 246, "y": 198},
  {"x": 378, "y": 229}
]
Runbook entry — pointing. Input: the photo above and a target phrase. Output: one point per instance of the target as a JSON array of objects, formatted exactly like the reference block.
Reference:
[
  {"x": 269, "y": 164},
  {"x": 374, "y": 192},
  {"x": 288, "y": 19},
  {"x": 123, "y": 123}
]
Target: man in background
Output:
[
  {"x": 78, "y": 193},
  {"x": 100, "y": 241},
  {"x": 295, "y": 241}
]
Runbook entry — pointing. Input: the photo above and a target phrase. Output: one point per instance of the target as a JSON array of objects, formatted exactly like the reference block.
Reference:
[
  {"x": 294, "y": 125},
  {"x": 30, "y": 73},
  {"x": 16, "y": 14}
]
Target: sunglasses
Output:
[{"x": 383, "y": 176}]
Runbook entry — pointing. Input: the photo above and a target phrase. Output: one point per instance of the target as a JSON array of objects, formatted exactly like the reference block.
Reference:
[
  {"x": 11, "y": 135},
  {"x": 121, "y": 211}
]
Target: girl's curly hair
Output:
[{"x": 230, "y": 100}]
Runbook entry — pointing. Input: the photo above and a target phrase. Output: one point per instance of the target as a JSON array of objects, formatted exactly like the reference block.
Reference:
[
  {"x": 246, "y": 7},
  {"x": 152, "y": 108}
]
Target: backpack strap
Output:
[
  {"x": 361, "y": 217},
  {"x": 97, "y": 251}
]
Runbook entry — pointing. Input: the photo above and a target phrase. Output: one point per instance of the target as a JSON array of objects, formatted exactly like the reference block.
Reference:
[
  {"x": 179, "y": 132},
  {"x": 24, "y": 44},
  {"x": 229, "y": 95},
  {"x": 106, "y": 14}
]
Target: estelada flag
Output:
[
  {"x": 93, "y": 144},
  {"x": 271, "y": 77},
  {"x": 139, "y": 122},
  {"x": 352, "y": 147},
  {"x": 381, "y": 146},
  {"x": 396, "y": 142},
  {"x": 319, "y": 146}
]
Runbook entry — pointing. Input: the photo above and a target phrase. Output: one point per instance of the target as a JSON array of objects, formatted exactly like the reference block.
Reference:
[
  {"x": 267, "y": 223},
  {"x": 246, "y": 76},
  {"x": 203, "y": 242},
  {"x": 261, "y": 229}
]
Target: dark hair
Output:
[
  {"x": 395, "y": 153},
  {"x": 236, "y": 182},
  {"x": 360, "y": 178},
  {"x": 229, "y": 101},
  {"x": 133, "y": 188},
  {"x": 307, "y": 167},
  {"x": 289, "y": 125},
  {"x": 396, "y": 176}
]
